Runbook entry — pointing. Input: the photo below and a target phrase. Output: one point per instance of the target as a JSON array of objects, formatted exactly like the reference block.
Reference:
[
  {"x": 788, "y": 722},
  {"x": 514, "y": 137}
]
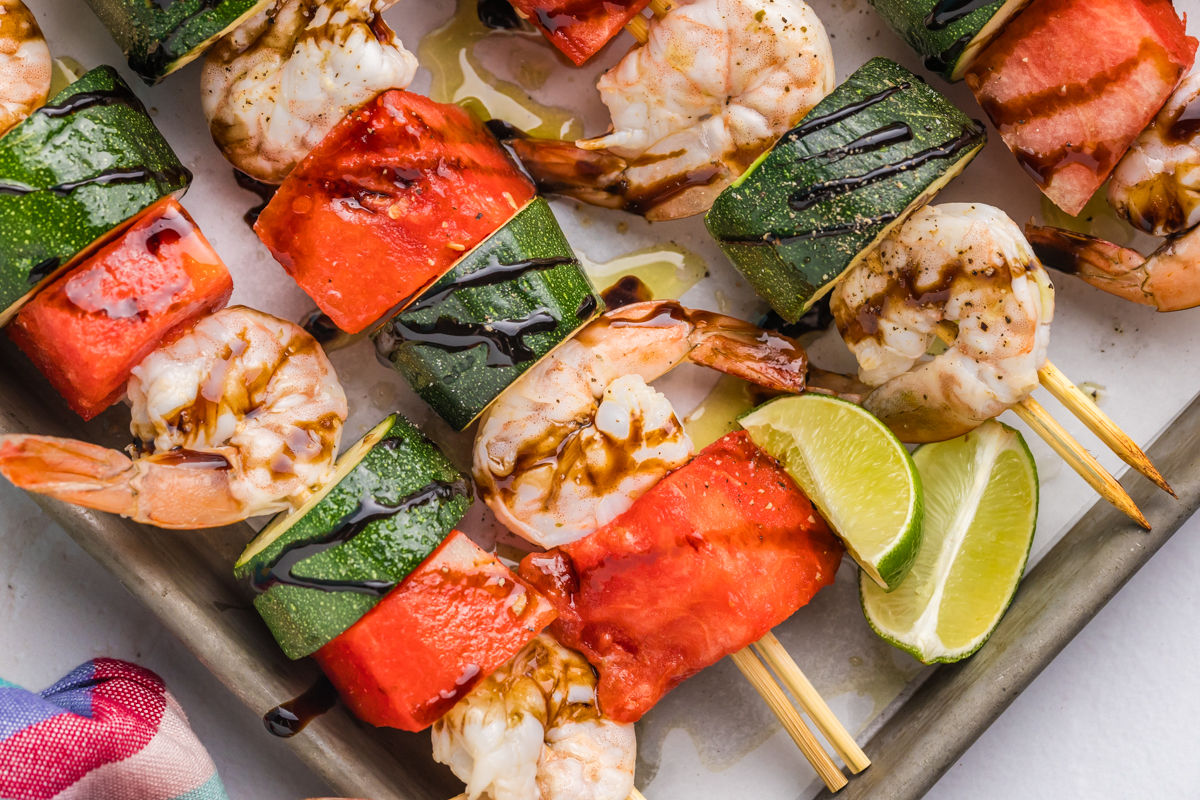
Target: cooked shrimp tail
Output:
[
  {"x": 1169, "y": 279},
  {"x": 170, "y": 490},
  {"x": 737, "y": 348},
  {"x": 596, "y": 177}
]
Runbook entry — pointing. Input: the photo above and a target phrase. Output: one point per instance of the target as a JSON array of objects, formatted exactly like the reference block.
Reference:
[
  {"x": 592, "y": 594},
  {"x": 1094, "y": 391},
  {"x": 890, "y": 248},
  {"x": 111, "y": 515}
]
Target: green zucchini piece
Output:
[
  {"x": 948, "y": 34},
  {"x": 159, "y": 37},
  {"x": 877, "y": 148},
  {"x": 75, "y": 173},
  {"x": 509, "y": 302},
  {"x": 394, "y": 497}
]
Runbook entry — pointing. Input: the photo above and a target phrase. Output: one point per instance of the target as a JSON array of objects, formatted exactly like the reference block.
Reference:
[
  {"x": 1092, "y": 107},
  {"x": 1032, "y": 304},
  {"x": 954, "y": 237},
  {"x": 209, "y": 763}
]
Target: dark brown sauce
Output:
[
  {"x": 940, "y": 62},
  {"x": 814, "y": 124},
  {"x": 1185, "y": 126},
  {"x": 628, "y": 290},
  {"x": 878, "y": 139},
  {"x": 1060, "y": 249},
  {"x": 42, "y": 270},
  {"x": 113, "y": 175},
  {"x": 808, "y": 196},
  {"x": 287, "y": 719},
  {"x": 101, "y": 97},
  {"x": 504, "y": 339},
  {"x": 587, "y": 307},
  {"x": 498, "y": 15},
  {"x": 157, "y": 60},
  {"x": 191, "y": 459},
  {"x": 278, "y": 572},
  {"x": 947, "y": 12},
  {"x": 265, "y": 192}
]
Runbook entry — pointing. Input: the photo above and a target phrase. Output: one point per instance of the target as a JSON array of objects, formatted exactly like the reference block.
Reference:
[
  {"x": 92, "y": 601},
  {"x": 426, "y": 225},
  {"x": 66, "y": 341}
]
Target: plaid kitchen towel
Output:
[{"x": 108, "y": 731}]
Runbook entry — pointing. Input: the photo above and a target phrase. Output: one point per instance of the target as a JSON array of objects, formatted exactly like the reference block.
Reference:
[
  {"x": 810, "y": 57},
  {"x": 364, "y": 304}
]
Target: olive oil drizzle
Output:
[{"x": 279, "y": 571}]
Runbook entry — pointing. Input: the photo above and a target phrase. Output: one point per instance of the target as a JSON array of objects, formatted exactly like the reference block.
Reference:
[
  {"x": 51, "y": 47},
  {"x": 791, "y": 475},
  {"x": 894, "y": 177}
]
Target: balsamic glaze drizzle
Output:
[
  {"x": 833, "y": 117},
  {"x": 940, "y": 62},
  {"x": 947, "y": 12},
  {"x": 101, "y": 97},
  {"x": 504, "y": 339},
  {"x": 878, "y": 139},
  {"x": 113, "y": 175},
  {"x": 287, "y": 719},
  {"x": 278, "y": 572},
  {"x": 42, "y": 270},
  {"x": 265, "y": 192},
  {"x": 808, "y": 196},
  {"x": 498, "y": 15},
  {"x": 856, "y": 226}
]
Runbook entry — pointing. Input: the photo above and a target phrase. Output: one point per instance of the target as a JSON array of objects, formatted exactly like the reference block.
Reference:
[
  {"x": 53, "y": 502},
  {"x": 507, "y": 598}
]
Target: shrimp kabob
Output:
[
  {"x": 711, "y": 86},
  {"x": 829, "y": 207}
]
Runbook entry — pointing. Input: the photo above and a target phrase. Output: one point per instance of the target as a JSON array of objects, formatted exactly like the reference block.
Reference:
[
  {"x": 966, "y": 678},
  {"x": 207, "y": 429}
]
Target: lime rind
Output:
[
  {"x": 857, "y": 473},
  {"x": 926, "y": 645}
]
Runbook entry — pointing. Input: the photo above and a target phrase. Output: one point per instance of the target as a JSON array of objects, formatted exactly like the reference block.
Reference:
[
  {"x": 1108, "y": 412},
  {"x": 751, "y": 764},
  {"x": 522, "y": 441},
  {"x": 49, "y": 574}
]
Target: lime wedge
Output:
[
  {"x": 981, "y": 495},
  {"x": 857, "y": 473}
]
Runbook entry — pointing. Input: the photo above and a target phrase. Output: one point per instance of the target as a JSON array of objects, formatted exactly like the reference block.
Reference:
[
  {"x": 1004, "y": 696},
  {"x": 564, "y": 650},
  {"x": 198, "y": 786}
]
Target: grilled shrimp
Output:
[
  {"x": 1156, "y": 185},
  {"x": 716, "y": 84},
  {"x": 277, "y": 84},
  {"x": 244, "y": 414},
  {"x": 1168, "y": 279},
  {"x": 958, "y": 262},
  {"x": 24, "y": 64},
  {"x": 532, "y": 731},
  {"x": 576, "y": 439}
]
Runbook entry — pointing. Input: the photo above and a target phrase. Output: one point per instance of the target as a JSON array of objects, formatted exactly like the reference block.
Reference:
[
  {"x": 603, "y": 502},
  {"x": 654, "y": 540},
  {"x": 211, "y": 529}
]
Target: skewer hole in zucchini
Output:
[
  {"x": 74, "y": 175},
  {"x": 394, "y": 497},
  {"x": 513, "y": 299},
  {"x": 880, "y": 146}
]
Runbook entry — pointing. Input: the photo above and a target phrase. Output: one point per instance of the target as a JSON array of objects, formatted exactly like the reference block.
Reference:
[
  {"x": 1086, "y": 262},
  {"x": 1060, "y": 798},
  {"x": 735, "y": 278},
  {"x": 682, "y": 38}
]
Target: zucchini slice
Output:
[
  {"x": 394, "y": 497},
  {"x": 877, "y": 148},
  {"x": 948, "y": 34},
  {"x": 159, "y": 37},
  {"x": 504, "y": 307},
  {"x": 74, "y": 174}
]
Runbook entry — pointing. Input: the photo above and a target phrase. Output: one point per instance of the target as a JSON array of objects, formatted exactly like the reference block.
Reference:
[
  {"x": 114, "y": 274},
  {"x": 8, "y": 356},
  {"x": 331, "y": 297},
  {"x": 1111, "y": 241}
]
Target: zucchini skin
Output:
[
  {"x": 158, "y": 38},
  {"x": 358, "y": 572},
  {"x": 497, "y": 323},
  {"x": 867, "y": 155},
  {"x": 70, "y": 178},
  {"x": 941, "y": 45}
]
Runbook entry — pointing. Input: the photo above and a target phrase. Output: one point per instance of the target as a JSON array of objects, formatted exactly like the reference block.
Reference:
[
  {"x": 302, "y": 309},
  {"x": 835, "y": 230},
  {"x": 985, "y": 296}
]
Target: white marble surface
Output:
[{"x": 1115, "y": 714}]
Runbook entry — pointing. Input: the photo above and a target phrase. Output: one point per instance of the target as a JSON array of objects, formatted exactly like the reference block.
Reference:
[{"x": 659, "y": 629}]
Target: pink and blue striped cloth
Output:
[{"x": 108, "y": 731}]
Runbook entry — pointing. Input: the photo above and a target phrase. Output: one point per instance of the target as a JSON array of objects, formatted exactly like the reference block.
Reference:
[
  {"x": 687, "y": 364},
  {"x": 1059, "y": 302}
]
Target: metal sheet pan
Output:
[{"x": 185, "y": 577}]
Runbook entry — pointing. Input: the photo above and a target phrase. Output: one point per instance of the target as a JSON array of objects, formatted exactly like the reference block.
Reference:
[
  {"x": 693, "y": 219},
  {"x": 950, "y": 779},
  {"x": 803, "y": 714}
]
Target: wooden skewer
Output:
[
  {"x": 1079, "y": 459},
  {"x": 756, "y": 672},
  {"x": 636, "y": 795},
  {"x": 639, "y": 26},
  {"x": 1055, "y": 435},
  {"x": 810, "y": 700},
  {"x": 1087, "y": 412}
]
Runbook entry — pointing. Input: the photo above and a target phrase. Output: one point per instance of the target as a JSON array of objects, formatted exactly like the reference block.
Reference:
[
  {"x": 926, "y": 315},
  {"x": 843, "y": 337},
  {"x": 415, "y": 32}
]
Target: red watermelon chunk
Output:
[
  {"x": 455, "y": 619},
  {"x": 579, "y": 28},
  {"x": 90, "y": 328},
  {"x": 705, "y": 563},
  {"x": 387, "y": 203},
  {"x": 1071, "y": 83}
]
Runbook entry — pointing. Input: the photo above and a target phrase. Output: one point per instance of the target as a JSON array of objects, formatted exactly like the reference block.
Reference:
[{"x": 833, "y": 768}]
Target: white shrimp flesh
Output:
[
  {"x": 963, "y": 263},
  {"x": 25, "y": 64},
  {"x": 532, "y": 731},
  {"x": 274, "y": 87}
]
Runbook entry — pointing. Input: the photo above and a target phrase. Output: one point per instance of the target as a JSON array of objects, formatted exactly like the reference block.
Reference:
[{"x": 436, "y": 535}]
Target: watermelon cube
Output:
[
  {"x": 450, "y": 624},
  {"x": 579, "y": 28},
  {"x": 1071, "y": 83},
  {"x": 90, "y": 328},
  {"x": 387, "y": 203}
]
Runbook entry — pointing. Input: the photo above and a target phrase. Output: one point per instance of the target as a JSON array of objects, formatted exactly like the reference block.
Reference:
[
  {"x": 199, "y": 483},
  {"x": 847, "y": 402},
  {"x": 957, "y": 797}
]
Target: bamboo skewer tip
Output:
[
  {"x": 756, "y": 672},
  {"x": 793, "y": 678}
]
